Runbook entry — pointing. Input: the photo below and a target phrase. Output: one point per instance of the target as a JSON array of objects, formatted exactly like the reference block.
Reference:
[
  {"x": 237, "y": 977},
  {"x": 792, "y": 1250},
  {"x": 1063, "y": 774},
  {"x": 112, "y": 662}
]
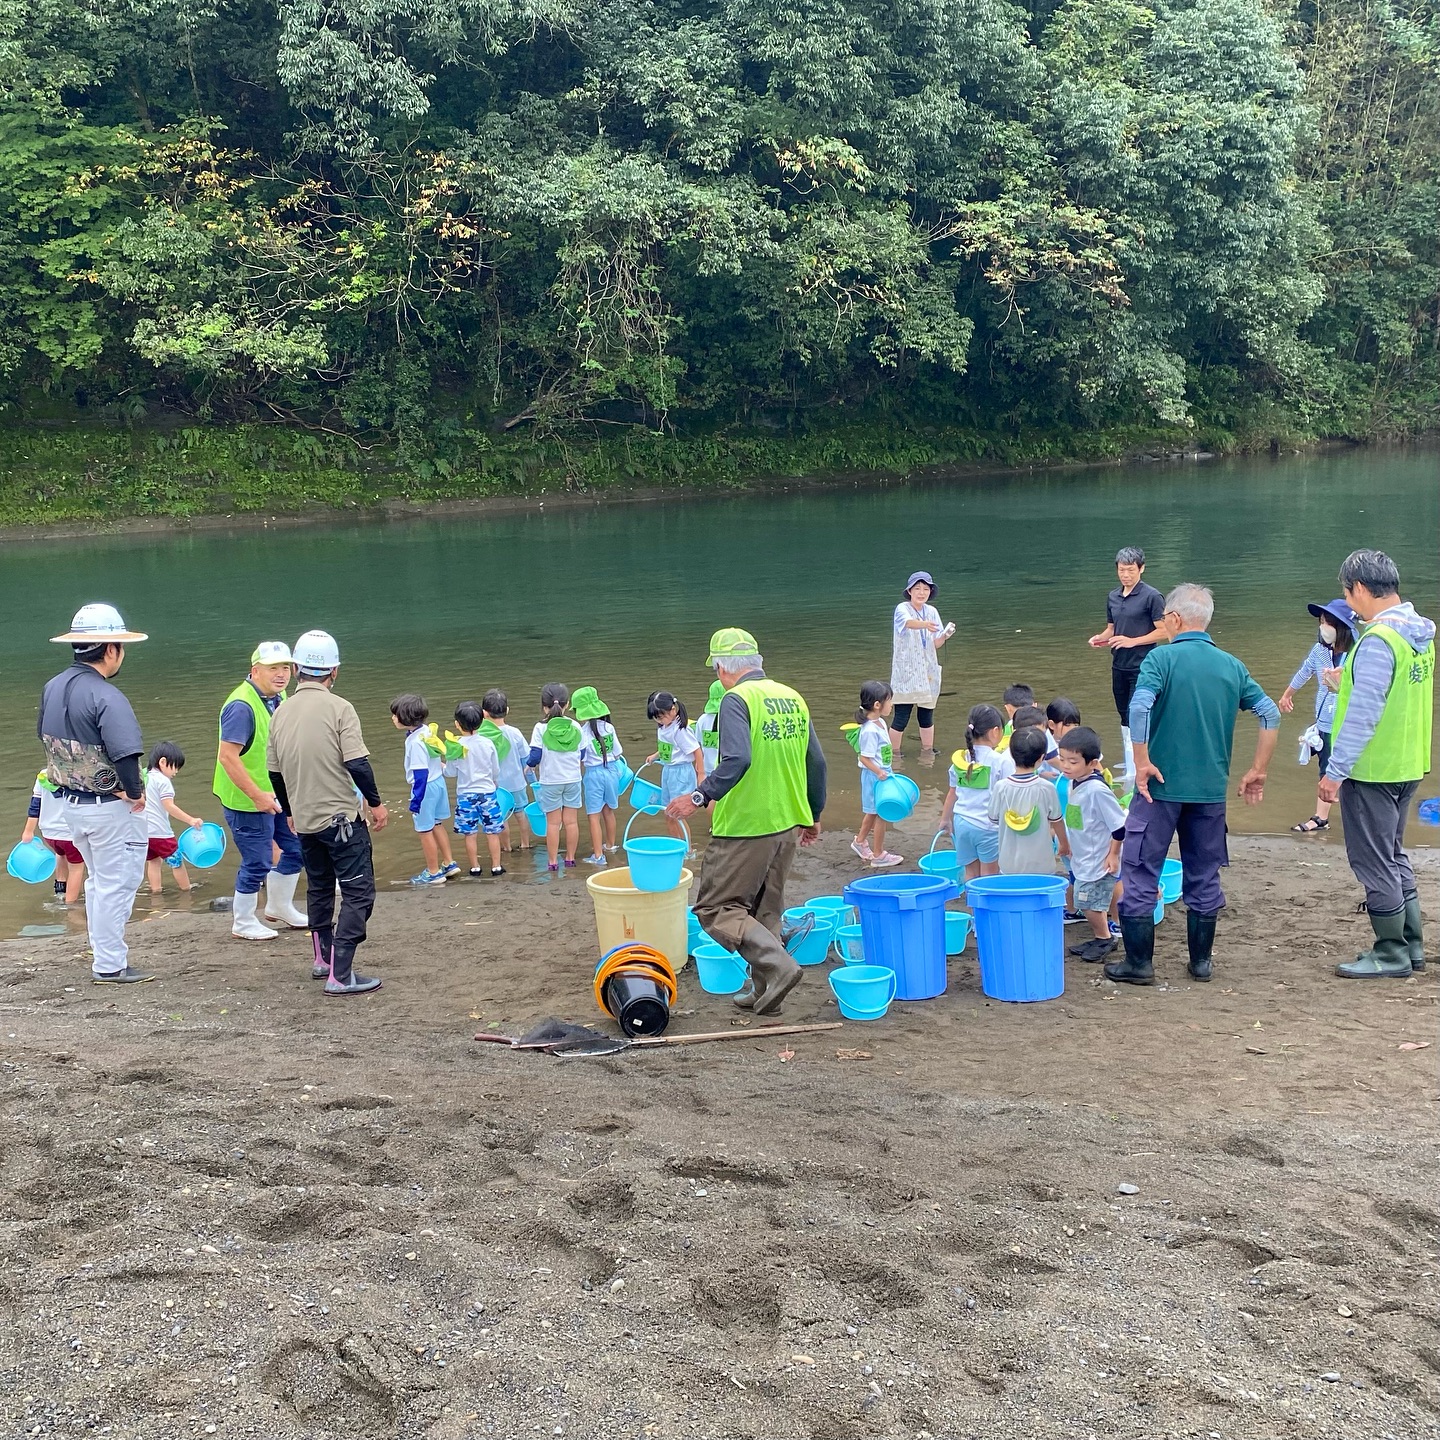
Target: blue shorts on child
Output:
[
  {"x": 677, "y": 779},
  {"x": 868, "y": 781},
  {"x": 602, "y": 788},
  {"x": 477, "y": 810},
  {"x": 435, "y": 807},
  {"x": 972, "y": 844},
  {"x": 556, "y": 797}
]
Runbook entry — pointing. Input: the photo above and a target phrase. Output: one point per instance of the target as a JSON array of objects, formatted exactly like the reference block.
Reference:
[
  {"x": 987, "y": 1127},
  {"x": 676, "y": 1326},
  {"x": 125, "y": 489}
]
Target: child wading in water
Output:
[
  {"x": 555, "y": 755},
  {"x": 872, "y": 744},
  {"x": 600, "y": 749},
  {"x": 1095, "y": 823},
  {"x": 167, "y": 759},
  {"x": 1021, "y": 804},
  {"x": 429, "y": 795},
  {"x": 972, "y": 771},
  {"x": 682, "y": 762},
  {"x": 477, "y": 779},
  {"x": 512, "y": 750}
]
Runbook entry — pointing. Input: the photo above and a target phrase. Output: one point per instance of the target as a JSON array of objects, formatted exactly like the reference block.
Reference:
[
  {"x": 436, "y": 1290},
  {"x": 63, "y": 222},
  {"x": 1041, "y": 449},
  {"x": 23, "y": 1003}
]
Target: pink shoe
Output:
[
  {"x": 886, "y": 860},
  {"x": 862, "y": 849}
]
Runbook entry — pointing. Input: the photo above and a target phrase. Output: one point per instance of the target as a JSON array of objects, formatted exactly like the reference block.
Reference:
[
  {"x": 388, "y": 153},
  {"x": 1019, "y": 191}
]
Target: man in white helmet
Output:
[
  {"x": 320, "y": 770},
  {"x": 242, "y": 785},
  {"x": 92, "y": 749}
]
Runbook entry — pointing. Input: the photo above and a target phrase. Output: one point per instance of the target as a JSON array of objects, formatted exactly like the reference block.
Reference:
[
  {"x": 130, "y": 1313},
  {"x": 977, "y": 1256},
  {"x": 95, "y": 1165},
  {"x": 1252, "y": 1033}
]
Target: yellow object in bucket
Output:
[
  {"x": 1026, "y": 824},
  {"x": 624, "y": 913}
]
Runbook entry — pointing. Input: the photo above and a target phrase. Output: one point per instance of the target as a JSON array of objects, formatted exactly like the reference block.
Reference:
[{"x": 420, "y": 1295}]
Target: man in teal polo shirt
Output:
[{"x": 1182, "y": 723}]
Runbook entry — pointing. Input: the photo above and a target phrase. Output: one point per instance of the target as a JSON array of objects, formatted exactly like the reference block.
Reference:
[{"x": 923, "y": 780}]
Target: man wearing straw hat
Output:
[
  {"x": 768, "y": 790},
  {"x": 93, "y": 748}
]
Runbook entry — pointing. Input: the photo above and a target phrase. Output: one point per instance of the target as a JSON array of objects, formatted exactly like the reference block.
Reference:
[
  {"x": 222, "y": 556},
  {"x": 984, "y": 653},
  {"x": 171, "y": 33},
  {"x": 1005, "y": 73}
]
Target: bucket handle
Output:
[
  {"x": 949, "y": 834},
  {"x": 894, "y": 986},
  {"x": 639, "y": 813}
]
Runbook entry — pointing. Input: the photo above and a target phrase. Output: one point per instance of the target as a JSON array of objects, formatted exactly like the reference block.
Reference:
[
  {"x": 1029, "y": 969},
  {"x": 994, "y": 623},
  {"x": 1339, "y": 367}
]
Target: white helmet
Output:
[
  {"x": 316, "y": 650},
  {"x": 98, "y": 624}
]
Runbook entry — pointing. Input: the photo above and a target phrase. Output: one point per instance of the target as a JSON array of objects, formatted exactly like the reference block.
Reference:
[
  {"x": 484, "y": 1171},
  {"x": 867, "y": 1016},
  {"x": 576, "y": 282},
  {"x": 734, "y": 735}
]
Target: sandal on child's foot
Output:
[
  {"x": 551, "y": 865},
  {"x": 498, "y": 870},
  {"x": 1310, "y": 826},
  {"x": 475, "y": 872},
  {"x": 569, "y": 864}
]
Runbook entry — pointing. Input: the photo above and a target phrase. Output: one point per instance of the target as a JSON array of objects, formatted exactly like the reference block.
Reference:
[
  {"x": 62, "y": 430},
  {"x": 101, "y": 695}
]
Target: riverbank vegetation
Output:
[{"x": 471, "y": 246}]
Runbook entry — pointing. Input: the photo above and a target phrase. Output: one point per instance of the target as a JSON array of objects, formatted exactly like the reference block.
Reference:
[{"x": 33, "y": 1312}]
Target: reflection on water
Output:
[{"x": 625, "y": 597}]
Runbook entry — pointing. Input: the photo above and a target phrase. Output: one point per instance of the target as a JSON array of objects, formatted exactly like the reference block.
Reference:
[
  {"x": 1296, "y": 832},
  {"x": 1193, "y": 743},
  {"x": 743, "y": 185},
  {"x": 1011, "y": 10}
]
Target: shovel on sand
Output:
[{"x": 566, "y": 1039}]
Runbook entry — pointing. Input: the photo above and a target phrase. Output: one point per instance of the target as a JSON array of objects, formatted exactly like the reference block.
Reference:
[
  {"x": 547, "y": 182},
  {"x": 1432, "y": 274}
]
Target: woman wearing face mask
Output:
[{"x": 1322, "y": 664}]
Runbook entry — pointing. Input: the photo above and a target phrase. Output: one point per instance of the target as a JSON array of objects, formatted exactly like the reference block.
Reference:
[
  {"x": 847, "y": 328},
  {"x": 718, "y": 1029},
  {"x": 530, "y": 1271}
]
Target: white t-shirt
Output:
[
  {"x": 54, "y": 822},
  {"x": 675, "y": 742},
  {"x": 477, "y": 772},
  {"x": 557, "y": 767},
  {"x": 707, "y": 732},
  {"x": 419, "y": 756},
  {"x": 512, "y": 767},
  {"x": 158, "y": 789},
  {"x": 1092, "y": 813},
  {"x": 590, "y": 752},
  {"x": 972, "y": 801},
  {"x": 874, "y": 741}
]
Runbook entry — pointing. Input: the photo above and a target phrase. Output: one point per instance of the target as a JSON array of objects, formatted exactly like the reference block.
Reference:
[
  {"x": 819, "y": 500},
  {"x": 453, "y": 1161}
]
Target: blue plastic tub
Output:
[
  {"x": 536, "y": 819},
  {"x": 1020, "y": 934},
  {"x": 655, "y": 860},
  {"x": 204, "y": 847},
  {"x": 850, "y": 942},
  {"x": 719, "y": 971},
  {"x": 813, "y": 949},
  {"x": 895, "y": 798},
  {"x": 902, "y": 922},
  {"x": 1172, "y": 880},
  {"x": 32, "y": 861},
  {"x": 957, "y": 931},
  {"x": 864, "y": 992}
]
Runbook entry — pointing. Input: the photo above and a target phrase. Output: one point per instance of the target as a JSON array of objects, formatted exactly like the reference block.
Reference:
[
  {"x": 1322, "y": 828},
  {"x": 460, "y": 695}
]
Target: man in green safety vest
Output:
[
  {"x": 255, "y": 817},
  {"x": 768, "y": 789},
  {"x": 1379, "y": 755}
]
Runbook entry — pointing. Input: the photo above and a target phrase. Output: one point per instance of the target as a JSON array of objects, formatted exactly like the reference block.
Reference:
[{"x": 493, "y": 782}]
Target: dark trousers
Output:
[
  {"x": 339, "y": 854},
  {"x": 1149, "y": 828},
  {"x": 1122, "y": 686},
  {"x": 741, "y": 898},
  {"x": 900, "y": 718},
  {"x": 256, "y": 836},
  {"x": 1375, "y": 815}
]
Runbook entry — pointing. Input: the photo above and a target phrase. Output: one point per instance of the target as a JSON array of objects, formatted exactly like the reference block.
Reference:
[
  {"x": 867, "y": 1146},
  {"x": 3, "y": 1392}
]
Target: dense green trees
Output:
[{"x": 394, "y": 215}]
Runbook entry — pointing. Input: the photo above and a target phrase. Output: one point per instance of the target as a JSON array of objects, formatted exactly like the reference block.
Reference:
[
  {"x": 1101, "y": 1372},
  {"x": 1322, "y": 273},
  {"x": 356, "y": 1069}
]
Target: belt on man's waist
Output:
[{"x": 87, "y": 797}]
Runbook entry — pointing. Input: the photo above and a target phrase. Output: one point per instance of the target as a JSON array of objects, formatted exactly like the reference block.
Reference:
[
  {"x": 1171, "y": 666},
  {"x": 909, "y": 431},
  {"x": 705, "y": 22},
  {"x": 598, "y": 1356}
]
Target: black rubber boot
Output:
[
  {"x": 1138, "y": 966},
  {"x": 1200, "y": 935},
  {"x": 1414, "y": 938},
  {"x": 1388, "y": 957},
  {"x": 343, "y": 979}
]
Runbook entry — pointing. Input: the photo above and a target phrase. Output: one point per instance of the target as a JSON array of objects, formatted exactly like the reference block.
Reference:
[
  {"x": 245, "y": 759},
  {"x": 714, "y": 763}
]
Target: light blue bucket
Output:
[
  {"x": 850, "y": 942},
  {"x": 506, "y": 801},
  {"x": 1159, "y": 910},
  {"x": 824, "y": 904},
  {"x": 813, "y": 949},
  {"x": 623, "y": 776},
  {"x": 537, "y": 819},
  {"x": 895, "y": 798},
  {"x": 957, "y": 931},
  {"x": 204, "y": 847},
  {"x": 694, "y": 932},
  {"x": 644, "y": 794},
  {"x": 943, "y": 864},
  {"x": 655, "y": 860},
  {"x": 32, "y": 861},
  {"x": 1172, "y": 881},
  {"x": 864, "y": 992},
  {"x": 719, "y": 971}
]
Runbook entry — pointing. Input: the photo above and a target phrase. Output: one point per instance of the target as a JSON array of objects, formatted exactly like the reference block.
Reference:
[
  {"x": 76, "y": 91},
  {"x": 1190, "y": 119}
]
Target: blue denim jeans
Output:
[{"x": 255, "y": 836}]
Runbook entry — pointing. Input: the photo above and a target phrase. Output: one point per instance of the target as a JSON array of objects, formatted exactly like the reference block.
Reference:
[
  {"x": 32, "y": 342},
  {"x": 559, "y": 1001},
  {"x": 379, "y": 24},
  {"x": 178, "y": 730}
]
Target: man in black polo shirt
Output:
[{"x": 1133, "y": 615}]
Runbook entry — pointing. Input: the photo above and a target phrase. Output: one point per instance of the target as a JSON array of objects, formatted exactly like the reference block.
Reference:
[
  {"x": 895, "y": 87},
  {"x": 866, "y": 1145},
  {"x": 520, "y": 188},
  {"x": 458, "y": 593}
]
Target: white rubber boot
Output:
[
  {"x": 1129, "y": 750},
  {"x": 246, "y": 924},
  {"x": 280, "y": 901}
]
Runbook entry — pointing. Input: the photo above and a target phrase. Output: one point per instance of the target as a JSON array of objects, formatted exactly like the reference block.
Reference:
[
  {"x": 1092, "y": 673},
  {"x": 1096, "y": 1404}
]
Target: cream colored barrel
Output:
[{"x": 658, "y": 918}]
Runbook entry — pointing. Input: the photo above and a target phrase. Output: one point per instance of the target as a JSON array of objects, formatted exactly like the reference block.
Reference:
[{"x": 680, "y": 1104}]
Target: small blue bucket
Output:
[
  {"x": 1020, "y": 934},
  {"x": 644, "y": 794},
  {"x": 895, "y": 798},
  {"x": 694, "y": 932},
  {"x": 863, "y": 991},
  {"x": 957, "y": 931},
  {"x": 655, "y": 860},
  {"x": 32, "y": 861},
  {"x": 536, "y": 818},
  {"x": 850, "y": 942},
  {"x": 813, "y": 949},
  {"x": 719, "y": 971},
  {"x": 943, "y": 864},
  {"x": 623, "y": 776},
  {"x": 1172, "y": 880},
  {"x": 1160, "y": 910},
  {"x": 506, "y": 801},
  {"x": 202, "y": 848},
  {"x": 822, "y": 905}
]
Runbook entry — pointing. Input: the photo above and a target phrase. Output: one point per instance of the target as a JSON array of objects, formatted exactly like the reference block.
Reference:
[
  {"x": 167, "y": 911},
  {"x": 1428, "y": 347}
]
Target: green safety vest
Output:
[
  {"x": 227, "y": 792},
  {"x": 771, "y": 795},
  {"x": 1399, "y": 750}
]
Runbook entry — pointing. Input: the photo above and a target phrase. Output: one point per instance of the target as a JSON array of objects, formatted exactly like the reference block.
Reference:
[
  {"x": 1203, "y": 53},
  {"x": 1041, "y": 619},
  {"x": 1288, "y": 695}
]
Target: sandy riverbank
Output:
[{"x": 231, "y": 1207}]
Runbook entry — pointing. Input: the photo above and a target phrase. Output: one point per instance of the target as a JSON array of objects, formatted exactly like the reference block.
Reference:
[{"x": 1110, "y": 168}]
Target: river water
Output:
[{"x": 625, "y": 597}]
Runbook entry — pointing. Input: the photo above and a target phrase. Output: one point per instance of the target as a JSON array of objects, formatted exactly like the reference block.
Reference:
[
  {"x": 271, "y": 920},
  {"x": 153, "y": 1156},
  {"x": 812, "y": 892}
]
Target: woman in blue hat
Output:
[
  {"x": 915, "y": 664},
  {"x": 1322, "y": 664}
]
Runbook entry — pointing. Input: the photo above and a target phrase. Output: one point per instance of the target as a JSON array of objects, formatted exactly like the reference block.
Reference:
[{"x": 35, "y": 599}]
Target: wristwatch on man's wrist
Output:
[{"x": 699, "y": 799}]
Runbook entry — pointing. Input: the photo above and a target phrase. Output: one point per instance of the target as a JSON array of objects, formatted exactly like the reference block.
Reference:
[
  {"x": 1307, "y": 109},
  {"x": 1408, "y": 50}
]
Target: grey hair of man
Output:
[
  {"x": 1373, "y": 569},
  {"x": 1130, "y": 555},
  {"x": 739, "y": 664},
  {"x": 1194, "y": 604}
]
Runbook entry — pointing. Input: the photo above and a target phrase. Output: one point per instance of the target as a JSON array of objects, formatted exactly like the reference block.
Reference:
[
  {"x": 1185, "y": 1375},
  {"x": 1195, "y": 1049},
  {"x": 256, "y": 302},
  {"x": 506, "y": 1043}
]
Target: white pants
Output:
[{"x": 112, "y": 839}]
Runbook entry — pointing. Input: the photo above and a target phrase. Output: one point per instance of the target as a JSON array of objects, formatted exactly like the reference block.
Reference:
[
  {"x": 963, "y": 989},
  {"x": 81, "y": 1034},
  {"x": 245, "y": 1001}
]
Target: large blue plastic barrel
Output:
[
  {"x": 902, "y": 927},
  {"x": 1020, "y": 934}
]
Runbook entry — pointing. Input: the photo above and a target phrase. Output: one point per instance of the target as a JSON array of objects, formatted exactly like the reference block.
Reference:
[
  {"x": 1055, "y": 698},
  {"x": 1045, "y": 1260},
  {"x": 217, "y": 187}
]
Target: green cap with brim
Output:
[
  {"x": 717, "y": 694},
  {"x": 731, "y": 641},
  {"x": 588, "y": 704}
]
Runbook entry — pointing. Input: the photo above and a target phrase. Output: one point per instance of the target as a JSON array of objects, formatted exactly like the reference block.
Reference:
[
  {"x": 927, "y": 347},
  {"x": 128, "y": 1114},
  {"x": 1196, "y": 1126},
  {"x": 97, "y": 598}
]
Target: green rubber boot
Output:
[
  {"x": 1389, "y": 956},
  {"x": 1413, "y": 932}
]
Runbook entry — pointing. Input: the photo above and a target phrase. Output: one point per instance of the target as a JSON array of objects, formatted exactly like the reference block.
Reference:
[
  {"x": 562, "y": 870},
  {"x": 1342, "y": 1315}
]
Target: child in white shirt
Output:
[
  {"x": 167, "y": 759},
  {"x": 682, "y": 762},
  {"x": 600, "y": 750},
  {"x": 477, "y": 781},
  {"x": 967, "y": 803},
  {"x": 513, "y": 750},
  {"x": 555, "y": 755},
  {"x": 1095, "y": 823},
  {"x": 429, "y": 794},
  {"x": 47, "y": 814},
  {"x": 872, "y": 745}
]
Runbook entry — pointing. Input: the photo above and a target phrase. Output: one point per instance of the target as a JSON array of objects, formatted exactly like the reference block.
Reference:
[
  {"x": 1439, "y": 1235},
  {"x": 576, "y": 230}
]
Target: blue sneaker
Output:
[
  {"x": 1074, "y": 917},
  {"x": 451, "y": 869},
  {"x": 1114, "y": 928},
  {"x": 426, "y": 878}
]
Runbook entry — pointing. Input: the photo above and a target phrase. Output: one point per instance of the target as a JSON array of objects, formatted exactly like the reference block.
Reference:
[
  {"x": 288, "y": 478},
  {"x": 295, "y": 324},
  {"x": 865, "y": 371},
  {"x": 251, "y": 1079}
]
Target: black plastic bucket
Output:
[{"x": 641, "y": 1005}]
